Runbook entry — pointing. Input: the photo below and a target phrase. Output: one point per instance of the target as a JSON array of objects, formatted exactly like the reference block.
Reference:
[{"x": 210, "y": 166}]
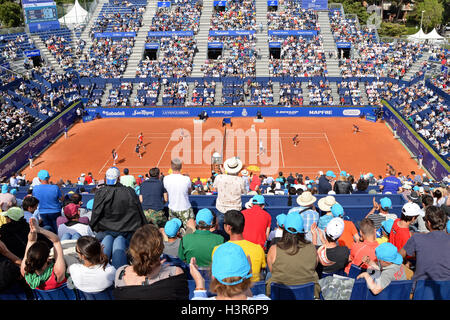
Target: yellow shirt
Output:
[
  {"x": 383, "y": 239},
  {"x": 2, "y": 220},
  {"x": 256, "y": 253}
]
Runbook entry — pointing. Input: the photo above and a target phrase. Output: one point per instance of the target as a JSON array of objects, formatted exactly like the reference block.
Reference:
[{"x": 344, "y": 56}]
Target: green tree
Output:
[
  {"x": 11, "y": 14},
  {"x": 392, "y": 30},
  {"x": 355, "y": 7},
  {"x": 432, "y": 16}
]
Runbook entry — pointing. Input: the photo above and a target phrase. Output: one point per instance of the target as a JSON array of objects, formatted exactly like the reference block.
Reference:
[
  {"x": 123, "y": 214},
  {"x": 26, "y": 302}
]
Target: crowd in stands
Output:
[
  {"x": 184, "y": 16},
  {"x": 14, "y": 123},
  {"x": 293, "y": 17},
  {"x": 203, "y": 93},
  {"x": 238, "y": 15},
  {"x": 320, "y": 93},
  {"x": 299, "y": 57},
  {"x": 291, "y": 94},
  {"x": 147, "y": 242}
]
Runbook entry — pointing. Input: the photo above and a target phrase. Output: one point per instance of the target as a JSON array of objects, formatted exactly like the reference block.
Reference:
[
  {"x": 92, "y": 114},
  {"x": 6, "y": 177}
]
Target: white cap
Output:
[
  {"x": 335, "y": 228},
  {"x": 411, "y": 209},
  {"x": 112, "y": 174}
]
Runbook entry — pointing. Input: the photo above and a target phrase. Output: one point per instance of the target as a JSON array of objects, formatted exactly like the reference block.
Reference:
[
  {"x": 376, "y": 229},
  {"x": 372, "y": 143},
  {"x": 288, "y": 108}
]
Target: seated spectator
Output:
[
  {"x": 9, "y": 269},
  {"x": 383, "y": 212},
  {"x": 389, "y": 267},
  {"x": 201, "y": 243},
  {"x": 73, "y": 228},
  {"x": 350, "y": 234},
  {"x": 75, "y": 198},
  {"x": 29, "y": 206},
  {"x": 257, "y": 222},
  {"x": 400, "y": 231},
  {"x": 384, "y": 231},
  {"x": 15, "y": 231},
  {"x": 234, "y": 225},
  {"x": 231, "y": 273},
  {"x": 307, "y": 211},
  {"x": 94, "y": 273},
  {"x": 276, "y": 234},
  {"x": 332, "y": 257},
  {"x": 7, "y": 200},
  {"x": 293, "y": 260},
  {"x": 431, "y": 250},
  {"x": 39, "y": 271},
  {"x": 342, "y": 186},
  {"x": 147, "y": 278},
  {"x": 325, "y": 182},
  {"x": 172, "y": 231},
  {"x": 363, "y": 248}
]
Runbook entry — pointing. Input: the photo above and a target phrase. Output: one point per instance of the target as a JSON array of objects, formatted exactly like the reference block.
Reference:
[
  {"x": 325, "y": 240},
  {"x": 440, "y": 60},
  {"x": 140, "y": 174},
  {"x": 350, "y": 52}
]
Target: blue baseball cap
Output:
[
  {"x": 323, "y": 221},
  {"x": 204, "y": 215},
  {"x": 294, "y": 223},
  {"x": 172, "y": 226},
  {"x": 43, "y": 175},
  {"x": 337, "y": 210},
  {"x": 385, "y": 202},
  {"x": 416, "y": 188},
  {"x": 90, "y": 204},
  {"x": 258, "y": 199},
  {"x": 330, "y": 174},
  {"x": 281, "y": 219},
  {"x": 387, "y": 225},
  {"x": 388, "y": 252},
  {"x": 229, "y": 260},
  {"x": 4, "y": 188},
  {"x": 448, "y": 226},
  {"x": 13, "y": 192},
  {"x": 343, "y": 173},
  {"x": 112, "y": 175}
]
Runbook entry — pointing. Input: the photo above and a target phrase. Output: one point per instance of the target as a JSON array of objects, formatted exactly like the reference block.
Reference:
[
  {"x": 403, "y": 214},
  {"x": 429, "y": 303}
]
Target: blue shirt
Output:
[
  {"x": 152, "y": 192},
  {"x": 48, "y": 196},
  {"x": 27, "y": 215},
  {"x": 391, "y": 184}
]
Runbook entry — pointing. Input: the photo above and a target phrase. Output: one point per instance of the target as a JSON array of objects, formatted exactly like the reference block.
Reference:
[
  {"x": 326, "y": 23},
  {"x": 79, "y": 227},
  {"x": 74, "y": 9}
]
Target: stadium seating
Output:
[
  {"x": 106, "y": 294},
  {"x": 432, "y": 290},
  {"x": 61, "y": 293},
  {"x": 396, "y": 290},
  {"x": 283, "y": 292}
]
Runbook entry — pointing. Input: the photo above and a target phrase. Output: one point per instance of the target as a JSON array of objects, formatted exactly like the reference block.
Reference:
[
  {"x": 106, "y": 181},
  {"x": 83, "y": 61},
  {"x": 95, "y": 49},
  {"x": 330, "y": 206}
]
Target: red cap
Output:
[{"x": 71, "y": 210}]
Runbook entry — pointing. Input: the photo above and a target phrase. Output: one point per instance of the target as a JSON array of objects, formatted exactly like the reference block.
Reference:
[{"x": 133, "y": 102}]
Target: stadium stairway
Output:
[
  {"x": 85, "y": 35},
  {"x": 105, "y": 95},
  {"x": 262, "y": 40},
  {"x": 160, "y": 95},
  {"x": 218, "y": 96},
  {"x": 201, "y": 38},
  {"x": 190, "y": 92},
  {"x": 334, "y": 92},
  {"x": 140, "y": 40},
  {"x": 364, "y": 98},
  {"x": 305, "y": 94},
  {"x": 416, "y": 66},
  {"x": 276, "y": 92},
  {"x": 48, "y": 56},
  {"x": 329, "y": 44}
]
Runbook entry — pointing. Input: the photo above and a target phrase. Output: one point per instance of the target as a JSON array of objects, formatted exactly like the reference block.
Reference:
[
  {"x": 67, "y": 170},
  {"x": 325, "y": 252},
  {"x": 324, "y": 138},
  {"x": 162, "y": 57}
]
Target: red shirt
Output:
[
  {"x": 257, "y": 220},
  {"x": 399, "y": 236},
  {"x": 88, "y": 179},
  {"x": 256, "y": 181}
]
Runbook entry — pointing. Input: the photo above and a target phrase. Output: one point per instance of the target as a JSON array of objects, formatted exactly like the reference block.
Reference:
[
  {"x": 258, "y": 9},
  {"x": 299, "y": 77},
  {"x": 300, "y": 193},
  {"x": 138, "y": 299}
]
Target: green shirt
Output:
[
  {"x": 128, "y": 180},
  {"x": 200, "y": 245}
]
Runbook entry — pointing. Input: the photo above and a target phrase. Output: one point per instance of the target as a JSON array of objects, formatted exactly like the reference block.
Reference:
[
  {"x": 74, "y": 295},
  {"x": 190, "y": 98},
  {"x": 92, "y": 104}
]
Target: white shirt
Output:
[
  {"x": 177, "y": 186},
  {"x": 81, "y": 228},
  {"x": 92, "y": 279}
]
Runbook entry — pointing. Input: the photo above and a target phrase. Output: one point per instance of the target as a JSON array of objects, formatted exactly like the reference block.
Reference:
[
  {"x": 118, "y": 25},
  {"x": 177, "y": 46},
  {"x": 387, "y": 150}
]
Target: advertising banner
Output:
[
  {"x": 315, "y": 4},
  {"x": 431, "y": 160},
  {"x": 160, "y": 34},
  {"x": 295, "y": 33},
  {"x": 115, "y": 34}
]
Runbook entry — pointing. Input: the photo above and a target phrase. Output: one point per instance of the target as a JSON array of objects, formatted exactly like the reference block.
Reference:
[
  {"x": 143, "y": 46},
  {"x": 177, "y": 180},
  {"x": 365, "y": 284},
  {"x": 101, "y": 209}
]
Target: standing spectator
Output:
[
  {"x": 307, "y": 211},
  {"x": 94, "y": 274},
  {"x": 234, "y": 225},
  {"x": 363, "y": 248},
  {"x": 178, "y": 188},
  {"x": 230, "y": 187},
  {"x": 255, "y": 183},
  {"x": 201, "y": 243},
  {"x": 127, "y": 179},
  {"x": 431, "y": 250},
  {"x": 13, "y": 182},
  {"x": 231, "y": 273},
  {"x": 342, "y": 185},
  {"x": 117, "y": 213},
  {"x": 147, "y": 278},
  {"x": 293, "y": 260},
  {"x": 383, "y": 212},
  {"x": 390, "y": 268},
  {"x": 153, "y": 196},
  {"x": 50, "y": 198},
  {"x": 246, "y": 179},
  {"x": 391, "y": 183},
  {"x": 325, "y": 182},
  {"x": 400, "y": 232},
  {"x": 73, "y": 228},
  {"x": 39, "y": 271},
  {"x": 291, "y": 180},
  {"x": 332, "y": 257},
  {"x": 172, "y": 231},
  {"x": 257, "y": 222}
]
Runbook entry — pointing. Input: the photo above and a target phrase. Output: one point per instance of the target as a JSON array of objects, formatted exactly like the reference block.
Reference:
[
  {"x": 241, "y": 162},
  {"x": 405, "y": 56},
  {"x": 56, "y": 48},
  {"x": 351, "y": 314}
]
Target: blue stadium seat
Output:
[
  {"x": 301, "y": 292},
  {"x": 103, "y": 295},
  {"x": 396, "y": 290},
  {"x": 354, "y": 271},
  {"x": 432, "y": 290},
  {"x": 61, "y": 293},
  {"x": 15, "y": 292},
  {"x": 258, "y": 287}
]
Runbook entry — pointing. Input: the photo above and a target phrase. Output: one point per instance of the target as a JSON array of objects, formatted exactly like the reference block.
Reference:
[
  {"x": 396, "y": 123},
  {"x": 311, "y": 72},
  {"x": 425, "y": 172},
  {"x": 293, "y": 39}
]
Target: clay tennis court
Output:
[{"x": 324, "y": 144}]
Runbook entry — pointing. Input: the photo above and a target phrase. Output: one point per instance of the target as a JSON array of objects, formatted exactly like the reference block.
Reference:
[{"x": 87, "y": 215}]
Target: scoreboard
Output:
[{"x": 41, "y": 14}]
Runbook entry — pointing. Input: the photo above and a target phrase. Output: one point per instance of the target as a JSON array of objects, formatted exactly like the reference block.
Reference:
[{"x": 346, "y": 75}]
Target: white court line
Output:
[
  {"x": 162, "y": 154},
  {"x": 281, "y": 150},
  {"x": 116, "y": 150},
  {"x": 326, "y": 136}
]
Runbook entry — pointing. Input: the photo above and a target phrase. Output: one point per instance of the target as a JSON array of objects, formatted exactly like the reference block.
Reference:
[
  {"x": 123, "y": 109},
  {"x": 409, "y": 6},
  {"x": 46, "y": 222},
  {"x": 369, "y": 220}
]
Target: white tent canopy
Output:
[
  {"x": 420, "y": 35},
  {"x": 75, "y": 16},
  {"x": 433, "y": 35}
]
